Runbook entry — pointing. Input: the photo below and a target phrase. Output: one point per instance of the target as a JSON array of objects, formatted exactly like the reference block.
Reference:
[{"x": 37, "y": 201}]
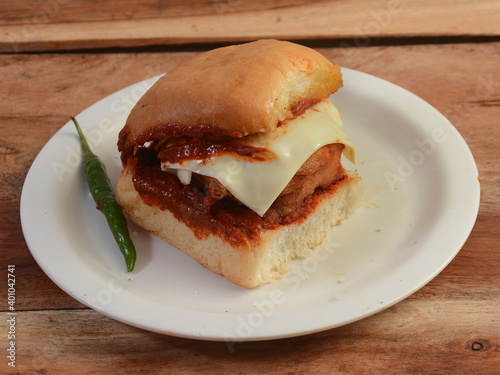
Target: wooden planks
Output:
[
  {"x": 392, "y": 342},
  {"x": 449, "y": 326},
  {"x": 30, "y": 117},
  {"x": 54, "y": 25}
]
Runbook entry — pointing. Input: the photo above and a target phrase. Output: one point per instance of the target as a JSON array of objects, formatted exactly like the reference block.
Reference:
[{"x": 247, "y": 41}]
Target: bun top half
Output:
[{"x": 235, "y": 91}]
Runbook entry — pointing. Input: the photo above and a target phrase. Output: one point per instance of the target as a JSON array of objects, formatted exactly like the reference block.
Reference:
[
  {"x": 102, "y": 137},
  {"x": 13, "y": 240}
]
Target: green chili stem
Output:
[{"x": 86, "y": 147}]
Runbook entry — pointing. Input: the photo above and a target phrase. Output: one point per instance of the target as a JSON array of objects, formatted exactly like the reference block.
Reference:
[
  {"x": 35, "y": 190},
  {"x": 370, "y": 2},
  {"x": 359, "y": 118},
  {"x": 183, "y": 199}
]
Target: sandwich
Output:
[{"x": 235, "y": 158}]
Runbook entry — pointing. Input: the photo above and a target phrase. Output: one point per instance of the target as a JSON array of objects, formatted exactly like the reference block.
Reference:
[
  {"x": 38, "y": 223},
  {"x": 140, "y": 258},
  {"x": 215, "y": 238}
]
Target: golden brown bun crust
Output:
[
  {"x": 263, "y": 260},
  {"x": 235, "y": 90}
]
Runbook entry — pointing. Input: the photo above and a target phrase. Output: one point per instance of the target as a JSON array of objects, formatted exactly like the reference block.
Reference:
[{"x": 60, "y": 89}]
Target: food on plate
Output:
[
  {"x": 234, "y": 157},
  {"x": 105, "y": 199}
]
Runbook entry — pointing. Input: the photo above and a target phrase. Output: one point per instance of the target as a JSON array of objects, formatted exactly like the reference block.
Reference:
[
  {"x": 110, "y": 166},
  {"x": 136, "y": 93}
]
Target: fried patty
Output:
[{"x": 322, "y": 169}]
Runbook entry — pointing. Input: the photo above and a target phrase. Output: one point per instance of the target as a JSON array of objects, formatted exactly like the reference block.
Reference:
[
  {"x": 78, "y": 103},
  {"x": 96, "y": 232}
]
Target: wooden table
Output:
[{"x": 58, "y": 57}]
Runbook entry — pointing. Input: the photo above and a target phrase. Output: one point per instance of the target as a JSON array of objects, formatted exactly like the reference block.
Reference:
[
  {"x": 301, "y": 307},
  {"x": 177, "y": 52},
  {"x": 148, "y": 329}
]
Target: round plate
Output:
[{"x": 416, "y": 169}]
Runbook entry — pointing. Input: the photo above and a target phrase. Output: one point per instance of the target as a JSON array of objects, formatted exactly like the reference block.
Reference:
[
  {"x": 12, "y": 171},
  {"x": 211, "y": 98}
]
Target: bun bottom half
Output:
[{"x": 265, "y": 259}]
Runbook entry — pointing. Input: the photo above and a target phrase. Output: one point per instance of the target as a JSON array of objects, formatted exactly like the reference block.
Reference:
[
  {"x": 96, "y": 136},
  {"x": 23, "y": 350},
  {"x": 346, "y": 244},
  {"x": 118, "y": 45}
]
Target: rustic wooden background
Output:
[{"x": 60, "y": 56}]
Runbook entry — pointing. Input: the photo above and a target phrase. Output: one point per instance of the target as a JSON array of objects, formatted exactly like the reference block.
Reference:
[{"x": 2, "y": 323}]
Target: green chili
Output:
[{"x": 105, "y": 200}]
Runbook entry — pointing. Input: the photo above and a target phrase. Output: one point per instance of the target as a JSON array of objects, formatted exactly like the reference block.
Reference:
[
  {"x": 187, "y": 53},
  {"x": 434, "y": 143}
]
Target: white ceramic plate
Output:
[{"x": 422, "y": 201}]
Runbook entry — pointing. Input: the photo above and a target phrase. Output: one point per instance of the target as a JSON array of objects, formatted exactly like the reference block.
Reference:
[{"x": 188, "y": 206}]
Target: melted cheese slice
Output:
[{"x": 258, "y": 183}]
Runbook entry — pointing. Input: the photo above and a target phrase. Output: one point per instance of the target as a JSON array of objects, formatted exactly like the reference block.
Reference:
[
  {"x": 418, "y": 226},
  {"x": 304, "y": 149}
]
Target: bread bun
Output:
[{"x": 236, "y": 90}]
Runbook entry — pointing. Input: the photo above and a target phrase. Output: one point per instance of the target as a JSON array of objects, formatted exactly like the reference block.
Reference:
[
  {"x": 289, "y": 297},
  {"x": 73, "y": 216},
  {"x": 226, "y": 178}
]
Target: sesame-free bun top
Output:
[{"x": 236, "y": 91}]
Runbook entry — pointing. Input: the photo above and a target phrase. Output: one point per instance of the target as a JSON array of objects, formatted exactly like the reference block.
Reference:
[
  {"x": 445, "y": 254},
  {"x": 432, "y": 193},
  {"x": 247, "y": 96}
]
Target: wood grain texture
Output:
[
  {"x": 51, "y": 25},
  {"x": 392, "y": 342},
  {"x": 450, "y": 326}
]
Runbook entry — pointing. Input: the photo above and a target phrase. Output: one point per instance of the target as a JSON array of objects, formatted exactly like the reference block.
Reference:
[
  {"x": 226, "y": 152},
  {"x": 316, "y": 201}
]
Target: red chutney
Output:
[
  {"x": 128, "y": 139},
  {"x": 201, "y": 149},
  {"x": 227, "y": 218},
  {"x": 230, "y": 220}
]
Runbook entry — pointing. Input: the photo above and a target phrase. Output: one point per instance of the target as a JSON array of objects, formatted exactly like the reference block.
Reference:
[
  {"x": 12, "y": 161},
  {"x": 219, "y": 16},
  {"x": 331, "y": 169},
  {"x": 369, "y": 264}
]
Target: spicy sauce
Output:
[
  {"x": 202, "y": 149},
  {"x": 226, "y": 218}
]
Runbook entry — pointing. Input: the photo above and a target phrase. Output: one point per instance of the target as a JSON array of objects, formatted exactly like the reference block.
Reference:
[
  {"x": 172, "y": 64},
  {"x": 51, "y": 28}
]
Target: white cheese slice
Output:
[{"x": 258, "y": 183}]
